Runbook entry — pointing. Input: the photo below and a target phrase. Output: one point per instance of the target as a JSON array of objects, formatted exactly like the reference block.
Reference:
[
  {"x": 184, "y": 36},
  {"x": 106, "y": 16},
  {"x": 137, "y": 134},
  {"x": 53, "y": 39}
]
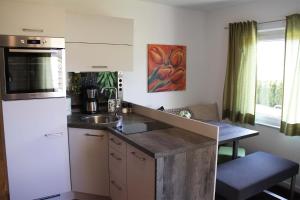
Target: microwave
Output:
[{"x": 32, "y": 67}]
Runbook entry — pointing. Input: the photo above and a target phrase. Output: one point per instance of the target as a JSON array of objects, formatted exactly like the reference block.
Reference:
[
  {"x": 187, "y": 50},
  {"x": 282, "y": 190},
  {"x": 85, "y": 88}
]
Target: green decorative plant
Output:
[{"x": 108, "y": 79}]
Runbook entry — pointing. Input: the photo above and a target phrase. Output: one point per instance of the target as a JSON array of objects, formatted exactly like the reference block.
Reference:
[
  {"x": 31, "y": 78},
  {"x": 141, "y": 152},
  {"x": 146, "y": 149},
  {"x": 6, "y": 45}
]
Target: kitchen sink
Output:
[{"x": 100, "y": 119}]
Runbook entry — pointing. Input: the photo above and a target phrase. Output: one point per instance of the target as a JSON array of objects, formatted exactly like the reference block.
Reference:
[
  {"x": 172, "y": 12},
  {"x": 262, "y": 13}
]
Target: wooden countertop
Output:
[{"x": 157, "y": 143}]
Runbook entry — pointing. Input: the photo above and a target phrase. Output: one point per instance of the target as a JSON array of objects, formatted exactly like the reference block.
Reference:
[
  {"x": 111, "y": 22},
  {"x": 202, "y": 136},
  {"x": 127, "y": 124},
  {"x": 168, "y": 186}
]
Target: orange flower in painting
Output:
[
  {"x": 157, "y": 55},
  {"x": 166, "y": 68},
  {"x": 164, "y": 72},
  {"x": 178, "y": 75},
  {"x": 176, "y": 57}
]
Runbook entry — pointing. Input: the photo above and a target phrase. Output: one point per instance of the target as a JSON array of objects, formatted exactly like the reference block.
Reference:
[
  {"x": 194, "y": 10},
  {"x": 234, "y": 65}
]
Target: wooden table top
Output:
[{"x": 229, "y": 132}]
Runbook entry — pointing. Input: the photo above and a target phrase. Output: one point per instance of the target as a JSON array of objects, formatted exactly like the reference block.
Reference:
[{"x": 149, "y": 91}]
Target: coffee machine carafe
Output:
[{"x": 91, "y": 105}]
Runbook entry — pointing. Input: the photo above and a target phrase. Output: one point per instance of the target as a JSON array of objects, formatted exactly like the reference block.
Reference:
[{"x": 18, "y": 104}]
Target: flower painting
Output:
[{"x": 166, "y": 68}]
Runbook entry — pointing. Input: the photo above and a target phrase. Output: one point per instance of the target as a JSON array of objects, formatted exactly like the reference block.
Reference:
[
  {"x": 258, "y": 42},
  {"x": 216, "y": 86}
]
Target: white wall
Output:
[
  {"x": 156, "y": 23},
  {"x": 165, "y": 25},
  {"x": 270, "y": 139}
]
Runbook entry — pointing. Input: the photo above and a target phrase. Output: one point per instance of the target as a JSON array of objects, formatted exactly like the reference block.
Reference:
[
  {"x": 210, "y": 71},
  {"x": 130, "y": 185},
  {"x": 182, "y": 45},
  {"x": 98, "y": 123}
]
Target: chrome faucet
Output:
[{"x": 116, "y": 106}]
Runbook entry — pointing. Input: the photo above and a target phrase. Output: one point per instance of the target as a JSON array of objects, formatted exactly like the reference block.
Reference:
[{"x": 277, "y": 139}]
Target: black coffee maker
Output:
[{"x": 90, "y": 100}]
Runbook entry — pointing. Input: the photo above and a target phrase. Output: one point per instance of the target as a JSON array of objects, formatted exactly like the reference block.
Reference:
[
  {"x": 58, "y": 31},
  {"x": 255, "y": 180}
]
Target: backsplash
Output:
[{"x": 77, "y": 82}]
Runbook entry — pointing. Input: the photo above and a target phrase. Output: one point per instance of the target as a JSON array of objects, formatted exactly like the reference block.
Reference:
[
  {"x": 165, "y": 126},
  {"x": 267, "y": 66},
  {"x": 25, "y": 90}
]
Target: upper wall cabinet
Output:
[
  {"x": 98, "y": 43},
  {"x": 18, "y": 18}
]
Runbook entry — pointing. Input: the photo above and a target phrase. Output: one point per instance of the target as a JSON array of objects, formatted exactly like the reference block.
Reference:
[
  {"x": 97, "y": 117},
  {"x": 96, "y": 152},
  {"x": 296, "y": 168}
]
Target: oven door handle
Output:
[{"x": 32, "y": 51}]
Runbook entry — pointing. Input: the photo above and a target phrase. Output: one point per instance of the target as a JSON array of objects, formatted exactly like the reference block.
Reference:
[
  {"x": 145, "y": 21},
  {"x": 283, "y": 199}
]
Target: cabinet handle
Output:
[
  {"x": 99, "y": 67},
  {"x": 139, "y": 157},
  {"x": 115, "y": 184},
  {"x": 32, "y": 51},
  {"x": 94, "y": 135},
  {"x": 54, "y": 134},
  {"x": 115, "y": 157},
  {"x": 32, "y": 30},
  {"x": 117, "y": 143}
]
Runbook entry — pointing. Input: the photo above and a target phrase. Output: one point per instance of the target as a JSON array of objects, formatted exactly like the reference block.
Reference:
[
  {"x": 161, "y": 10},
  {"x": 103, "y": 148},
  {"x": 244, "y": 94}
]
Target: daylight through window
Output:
[{"x": 270, "y": 67}]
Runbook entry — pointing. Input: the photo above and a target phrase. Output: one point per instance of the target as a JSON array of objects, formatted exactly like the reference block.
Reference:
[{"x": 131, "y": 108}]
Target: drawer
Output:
[
  {"x": 117, "y": 166},
  {"x": 117, "y": 190},
  {"x": 138, "y": 155},
  {"x": 117, "y": 144},
  {"x": 140, "y": 175}
]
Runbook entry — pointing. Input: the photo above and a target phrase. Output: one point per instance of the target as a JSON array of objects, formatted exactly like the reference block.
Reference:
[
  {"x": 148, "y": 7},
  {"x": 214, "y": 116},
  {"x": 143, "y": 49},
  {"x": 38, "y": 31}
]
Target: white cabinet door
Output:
[
  {"x": 117, "y": 168},
  {"x": 140, "y": 175},
  {"x": 82, "y": 57},
  {"x": 18, "y": 18},
  {"x": 89, "y": 161},
  {"x": 36, "y": 148},
  {"x": 98, "y": 29},
  {"x": 98, "y": 43}
]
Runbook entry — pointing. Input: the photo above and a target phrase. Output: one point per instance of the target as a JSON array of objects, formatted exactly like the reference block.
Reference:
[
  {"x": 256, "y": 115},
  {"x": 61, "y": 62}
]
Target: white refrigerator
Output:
[{"x": 37, "y": 151}]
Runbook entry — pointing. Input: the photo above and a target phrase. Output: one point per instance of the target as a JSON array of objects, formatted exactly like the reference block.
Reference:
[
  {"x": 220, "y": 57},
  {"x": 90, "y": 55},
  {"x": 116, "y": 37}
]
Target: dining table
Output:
[{"x": 232, "y": 133}]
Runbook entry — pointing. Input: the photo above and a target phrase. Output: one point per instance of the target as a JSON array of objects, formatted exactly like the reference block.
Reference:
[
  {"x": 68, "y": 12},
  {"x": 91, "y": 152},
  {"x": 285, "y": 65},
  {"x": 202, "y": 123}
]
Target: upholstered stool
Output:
[{"x": 245, "y": 177}]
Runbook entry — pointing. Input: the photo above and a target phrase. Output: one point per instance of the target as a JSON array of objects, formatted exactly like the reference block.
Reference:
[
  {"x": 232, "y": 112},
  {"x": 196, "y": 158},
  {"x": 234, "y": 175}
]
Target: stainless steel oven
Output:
[{"x": 32, "y": 67}]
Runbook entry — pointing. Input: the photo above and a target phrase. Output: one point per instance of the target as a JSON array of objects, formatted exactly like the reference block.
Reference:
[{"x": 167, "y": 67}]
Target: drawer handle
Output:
[
  {"x": 116, "y": 185},
  {"x": 117, "y": 143},
  {"x": 99, "y": 67},
  {"x": 54, "y": 134},
  {"x": 32, "y": 30},
  {"x": 139, "y": 157},
  {"x": 115, "y": 157},
  {"x": 94, "y": 135}
]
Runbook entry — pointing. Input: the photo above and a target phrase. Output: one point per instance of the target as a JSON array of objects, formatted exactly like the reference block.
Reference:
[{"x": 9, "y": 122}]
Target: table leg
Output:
[
  {"x": 235, "y": 148},
  {"x": 292, "y": 188}
]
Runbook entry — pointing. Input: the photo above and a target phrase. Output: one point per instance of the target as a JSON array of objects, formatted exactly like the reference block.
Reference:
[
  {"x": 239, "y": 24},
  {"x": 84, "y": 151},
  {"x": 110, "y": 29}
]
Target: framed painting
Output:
[{"x": 166, "y": 68}]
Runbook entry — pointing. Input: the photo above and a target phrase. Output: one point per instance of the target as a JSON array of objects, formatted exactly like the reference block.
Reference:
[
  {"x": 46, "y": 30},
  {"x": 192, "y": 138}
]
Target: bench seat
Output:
[{"x": 245, "y": 177}]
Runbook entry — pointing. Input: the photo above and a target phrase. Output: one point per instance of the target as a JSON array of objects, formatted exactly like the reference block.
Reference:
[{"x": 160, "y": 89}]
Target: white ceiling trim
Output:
[{"x": 201, "y": 4}]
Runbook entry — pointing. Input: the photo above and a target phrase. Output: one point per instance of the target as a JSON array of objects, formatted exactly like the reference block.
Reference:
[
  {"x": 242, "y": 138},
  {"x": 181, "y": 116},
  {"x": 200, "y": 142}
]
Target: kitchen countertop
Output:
[
  {"x": 156, "y": 143},
  {"x": 74, "y": 121}
]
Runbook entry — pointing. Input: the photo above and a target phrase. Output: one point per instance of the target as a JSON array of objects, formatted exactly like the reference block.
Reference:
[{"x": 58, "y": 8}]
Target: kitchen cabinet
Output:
[
  {"x": 100, "y": 57},
  {"x": 117, "y": 144},
  {"x": 117, "y": 168},
  {"x": 17, "y": 18},
  {"x": 140, "y": 175},
  {"x": 37, "y": 152},
  {"x": 98, "y": 29},
  {"x": 132, "y": 172},
  {"x": 89, "y": 161},
  {"x": 98, "y": 43},
  {"x": 135, "y": 175}
]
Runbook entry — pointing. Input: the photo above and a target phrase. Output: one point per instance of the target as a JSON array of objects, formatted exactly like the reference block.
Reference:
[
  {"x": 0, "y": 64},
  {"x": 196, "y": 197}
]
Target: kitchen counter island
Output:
[
  {"x": 183, "y": 162},
  {"x": 156, "y": 143}
]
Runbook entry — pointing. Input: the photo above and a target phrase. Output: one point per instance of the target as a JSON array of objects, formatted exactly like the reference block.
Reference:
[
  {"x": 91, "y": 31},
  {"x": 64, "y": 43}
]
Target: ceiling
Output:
[
  {"x": 205, "y": 5},
  {"x": 202, "y": 4}
]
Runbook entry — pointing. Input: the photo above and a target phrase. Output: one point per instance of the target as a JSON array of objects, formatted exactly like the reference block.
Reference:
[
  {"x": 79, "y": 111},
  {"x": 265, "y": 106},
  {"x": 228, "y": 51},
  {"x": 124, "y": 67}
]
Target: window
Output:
[{"x": 270, "y": 68}]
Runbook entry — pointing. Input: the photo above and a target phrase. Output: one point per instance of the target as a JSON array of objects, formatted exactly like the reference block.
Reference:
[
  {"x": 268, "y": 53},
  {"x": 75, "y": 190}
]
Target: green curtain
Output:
[
  {"x": 290, "y": 123},
  {"x": 240, "y": 82}
]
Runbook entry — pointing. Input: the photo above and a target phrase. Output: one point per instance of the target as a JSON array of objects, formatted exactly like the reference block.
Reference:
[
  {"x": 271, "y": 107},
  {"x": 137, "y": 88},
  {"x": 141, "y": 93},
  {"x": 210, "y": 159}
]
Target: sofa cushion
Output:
[
  {"x": 176, "y": 111},
  {"x": 205, "y": 112}
]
